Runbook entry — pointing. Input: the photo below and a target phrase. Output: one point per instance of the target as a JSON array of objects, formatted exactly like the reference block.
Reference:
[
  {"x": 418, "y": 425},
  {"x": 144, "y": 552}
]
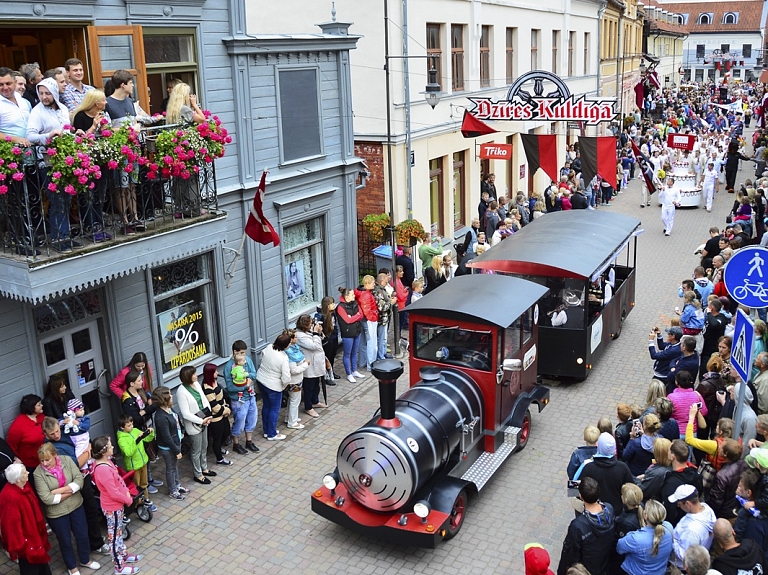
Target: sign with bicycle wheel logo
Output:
[{"x": 746, "y": 276}]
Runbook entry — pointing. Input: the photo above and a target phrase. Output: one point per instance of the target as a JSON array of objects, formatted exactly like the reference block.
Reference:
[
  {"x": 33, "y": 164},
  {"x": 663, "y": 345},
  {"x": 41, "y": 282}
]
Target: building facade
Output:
[
  {"x": 170, "y": 291},
  {"x": 478, "y": 48},
  {"x": 621, "y": 33},
  {"x": 724, "y": 38},
  {"x": 664, "y": 38}
]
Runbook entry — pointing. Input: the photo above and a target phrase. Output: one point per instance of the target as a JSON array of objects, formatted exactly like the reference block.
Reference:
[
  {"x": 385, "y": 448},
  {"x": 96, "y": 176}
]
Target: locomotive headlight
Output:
[
  {"x": 421, "y": 509},
  {"x": 330, "y": 482},
  {"x": 579, "y": 361}
]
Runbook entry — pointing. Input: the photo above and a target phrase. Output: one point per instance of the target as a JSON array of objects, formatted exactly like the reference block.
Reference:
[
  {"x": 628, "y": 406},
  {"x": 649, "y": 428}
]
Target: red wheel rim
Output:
[
  {"x": 457, "y": 513},
  {"x": 525, "y": 430}
]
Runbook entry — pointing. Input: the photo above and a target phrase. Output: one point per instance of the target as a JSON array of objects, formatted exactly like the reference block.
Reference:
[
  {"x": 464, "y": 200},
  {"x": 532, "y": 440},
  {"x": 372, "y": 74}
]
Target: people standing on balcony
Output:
[
  {"x": 47, "y": 121},
  {"x": 121, "y": 109},
  {"x": 74, "y": 94},
  {"x": 90, "y": 117},
  {"x": 21, "y": 82},
  {"x": 14, "y": 110},
  {"x": 32, "y": 74}
]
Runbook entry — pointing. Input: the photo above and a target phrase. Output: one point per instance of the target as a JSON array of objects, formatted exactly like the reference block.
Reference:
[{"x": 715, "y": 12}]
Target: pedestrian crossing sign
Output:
[{"x": 741, "y": 350}]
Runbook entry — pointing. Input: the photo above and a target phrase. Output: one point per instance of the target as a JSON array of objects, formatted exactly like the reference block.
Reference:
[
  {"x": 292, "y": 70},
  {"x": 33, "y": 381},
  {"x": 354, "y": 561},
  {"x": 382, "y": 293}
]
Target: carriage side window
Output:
[{"x": 454, "y": 346}]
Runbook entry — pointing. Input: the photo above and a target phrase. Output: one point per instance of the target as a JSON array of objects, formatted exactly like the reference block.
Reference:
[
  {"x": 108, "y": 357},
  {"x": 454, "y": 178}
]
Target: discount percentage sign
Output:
[{"x": 186, "y": 335}]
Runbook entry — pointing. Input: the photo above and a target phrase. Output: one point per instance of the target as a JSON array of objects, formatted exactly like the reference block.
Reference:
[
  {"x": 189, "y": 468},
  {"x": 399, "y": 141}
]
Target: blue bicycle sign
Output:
[{"x": 746, "y": 276}]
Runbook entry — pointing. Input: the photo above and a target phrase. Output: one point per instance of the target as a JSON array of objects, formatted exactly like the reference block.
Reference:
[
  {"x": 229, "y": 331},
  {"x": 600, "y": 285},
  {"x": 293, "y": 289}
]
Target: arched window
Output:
[
  {"x": 729, "y": 18},
  {"x": 704, "y": 19},
  {"x": 679, "y": 19}
]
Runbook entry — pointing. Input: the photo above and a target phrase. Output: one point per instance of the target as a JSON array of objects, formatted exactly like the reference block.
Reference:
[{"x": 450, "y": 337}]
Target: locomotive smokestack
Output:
[{"x": 387, "y": 371}]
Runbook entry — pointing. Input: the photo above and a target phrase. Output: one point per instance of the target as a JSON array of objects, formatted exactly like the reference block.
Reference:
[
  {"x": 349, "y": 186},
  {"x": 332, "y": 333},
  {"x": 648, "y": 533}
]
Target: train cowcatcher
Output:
[{"x": 406, "y": 475}]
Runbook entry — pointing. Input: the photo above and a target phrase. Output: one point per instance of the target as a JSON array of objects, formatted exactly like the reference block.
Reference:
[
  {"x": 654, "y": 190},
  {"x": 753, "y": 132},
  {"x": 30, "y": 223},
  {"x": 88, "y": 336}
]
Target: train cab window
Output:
[
  {"x": 564, "y": 306},
  {"x": 454, "y": 346}
]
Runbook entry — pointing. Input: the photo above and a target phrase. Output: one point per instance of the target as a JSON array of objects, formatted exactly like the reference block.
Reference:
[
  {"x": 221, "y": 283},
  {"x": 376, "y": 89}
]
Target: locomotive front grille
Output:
[{"x": 376, "y": 471}]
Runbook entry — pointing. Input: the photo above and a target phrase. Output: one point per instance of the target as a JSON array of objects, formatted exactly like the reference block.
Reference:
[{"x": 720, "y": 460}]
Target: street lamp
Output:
[
  {"x": 432, "y": 94},
  {"x": 643, "y": 68}
]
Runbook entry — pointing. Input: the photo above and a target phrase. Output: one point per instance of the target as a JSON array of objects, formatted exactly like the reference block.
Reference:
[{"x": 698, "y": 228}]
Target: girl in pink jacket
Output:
[{"x": 114, "y": 497}]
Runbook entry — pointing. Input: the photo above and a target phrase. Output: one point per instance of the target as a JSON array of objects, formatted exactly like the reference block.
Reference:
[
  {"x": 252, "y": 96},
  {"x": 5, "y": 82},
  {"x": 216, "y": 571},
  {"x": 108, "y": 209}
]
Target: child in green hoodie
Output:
[{"x": 131, "y": 442}]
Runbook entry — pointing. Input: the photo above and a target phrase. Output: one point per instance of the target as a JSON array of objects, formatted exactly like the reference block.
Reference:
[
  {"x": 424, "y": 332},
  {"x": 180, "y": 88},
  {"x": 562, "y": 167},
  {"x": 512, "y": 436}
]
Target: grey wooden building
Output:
[{"x": 286, "y": 102}]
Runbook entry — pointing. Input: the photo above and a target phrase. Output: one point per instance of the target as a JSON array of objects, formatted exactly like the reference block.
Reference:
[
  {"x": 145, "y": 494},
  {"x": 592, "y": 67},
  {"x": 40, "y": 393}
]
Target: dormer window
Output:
[
  {"x": 705, "y": 18},
  {"x": 730, "y": 18}
]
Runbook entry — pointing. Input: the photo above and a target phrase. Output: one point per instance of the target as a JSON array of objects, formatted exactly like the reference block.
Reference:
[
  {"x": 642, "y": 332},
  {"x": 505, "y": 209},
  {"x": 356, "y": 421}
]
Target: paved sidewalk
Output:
[{"x": 256, "y": 518}]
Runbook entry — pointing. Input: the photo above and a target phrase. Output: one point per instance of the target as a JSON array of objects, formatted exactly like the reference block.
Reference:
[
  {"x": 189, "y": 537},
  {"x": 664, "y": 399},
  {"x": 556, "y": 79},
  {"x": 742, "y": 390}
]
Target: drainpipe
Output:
[
  {"x": 600, "y": 45},
  {"x": 407, "y": 80},
  {"x": 620, "y": 92}
]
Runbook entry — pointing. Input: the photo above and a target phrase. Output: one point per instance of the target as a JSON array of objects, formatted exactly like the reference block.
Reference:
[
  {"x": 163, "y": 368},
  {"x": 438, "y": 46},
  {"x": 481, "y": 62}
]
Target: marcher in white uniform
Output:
[
  {"x": 670, "y": 199},
  {"x": 710, "y": 181}
]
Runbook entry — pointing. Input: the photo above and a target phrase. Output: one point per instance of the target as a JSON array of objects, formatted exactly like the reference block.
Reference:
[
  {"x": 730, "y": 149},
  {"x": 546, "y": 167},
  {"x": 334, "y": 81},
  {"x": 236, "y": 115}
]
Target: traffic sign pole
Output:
[{"x": 741, "y": 358}]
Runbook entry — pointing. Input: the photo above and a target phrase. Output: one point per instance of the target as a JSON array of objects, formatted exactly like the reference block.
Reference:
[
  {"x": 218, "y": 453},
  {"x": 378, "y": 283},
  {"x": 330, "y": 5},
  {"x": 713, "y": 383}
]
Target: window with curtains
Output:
[
  {"x": 511, "y": 40},
  {"x": 434, "y": 51},
  {"x": 485, "y": 56},
  {"x": 571, "y": 52},
  {"x": 535, "y": 49},
  {"x": 586, "y": 53},
  {"x": 555, "y": 42},
  {"x": 457, "y": 57},
  {"x": 459, "y": 191}
]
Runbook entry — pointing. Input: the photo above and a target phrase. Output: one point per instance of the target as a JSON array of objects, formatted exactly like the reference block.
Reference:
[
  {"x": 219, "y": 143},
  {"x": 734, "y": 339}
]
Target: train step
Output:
[{"x": 487, "y": 464}]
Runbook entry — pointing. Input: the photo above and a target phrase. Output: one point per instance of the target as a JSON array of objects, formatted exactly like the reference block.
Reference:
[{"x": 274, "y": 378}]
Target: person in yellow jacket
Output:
[
  {"x": 711, "y": 447},
  {"x": 131, "y": 442}
]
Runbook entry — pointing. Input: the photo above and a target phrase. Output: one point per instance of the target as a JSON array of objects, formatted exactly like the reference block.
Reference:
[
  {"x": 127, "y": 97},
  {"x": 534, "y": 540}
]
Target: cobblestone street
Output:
[{"x": 256, "y": 518}]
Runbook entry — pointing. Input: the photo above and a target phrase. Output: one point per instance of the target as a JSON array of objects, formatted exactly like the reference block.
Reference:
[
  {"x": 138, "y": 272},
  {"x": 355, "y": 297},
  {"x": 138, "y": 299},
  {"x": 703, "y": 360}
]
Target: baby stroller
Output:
[{"x": 143, "y": 509}]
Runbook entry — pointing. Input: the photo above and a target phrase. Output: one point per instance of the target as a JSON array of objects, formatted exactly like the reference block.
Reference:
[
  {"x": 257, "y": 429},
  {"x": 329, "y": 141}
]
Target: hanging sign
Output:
[
  {"x": 494, "y": 151},
  {"x": 681, "y": 141},
  {"x": 556, "y": 104}
]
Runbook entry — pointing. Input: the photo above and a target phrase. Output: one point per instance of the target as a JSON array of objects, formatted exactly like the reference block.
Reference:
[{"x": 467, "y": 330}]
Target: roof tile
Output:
[{"x": 749, "y": 14}]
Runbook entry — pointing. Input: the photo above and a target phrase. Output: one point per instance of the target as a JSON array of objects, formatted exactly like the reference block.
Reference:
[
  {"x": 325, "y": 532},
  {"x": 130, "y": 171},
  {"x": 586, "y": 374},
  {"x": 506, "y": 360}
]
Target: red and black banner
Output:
[
  {"x": 541, "y": 152},
  {"x": 646, "y": 167},
  {"x": 598, "y": 158},
  {"x": 471, "y": 127}
]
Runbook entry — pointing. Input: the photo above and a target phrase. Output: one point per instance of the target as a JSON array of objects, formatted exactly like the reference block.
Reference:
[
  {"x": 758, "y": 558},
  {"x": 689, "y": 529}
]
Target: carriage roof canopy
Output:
[
  {"x": 495, "y": 299},
  {"x": 566, "y": 244}
]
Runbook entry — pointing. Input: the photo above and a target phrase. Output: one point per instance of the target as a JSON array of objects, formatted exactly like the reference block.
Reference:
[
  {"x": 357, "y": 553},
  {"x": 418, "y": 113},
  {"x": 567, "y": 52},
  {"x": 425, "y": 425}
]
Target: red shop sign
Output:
[{"x": 493, "y": 151}]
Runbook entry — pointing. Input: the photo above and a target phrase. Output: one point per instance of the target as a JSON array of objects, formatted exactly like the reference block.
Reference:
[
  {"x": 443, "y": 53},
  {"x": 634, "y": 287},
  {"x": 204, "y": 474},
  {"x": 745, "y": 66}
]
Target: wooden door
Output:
[{"x": 118, "y": 48}]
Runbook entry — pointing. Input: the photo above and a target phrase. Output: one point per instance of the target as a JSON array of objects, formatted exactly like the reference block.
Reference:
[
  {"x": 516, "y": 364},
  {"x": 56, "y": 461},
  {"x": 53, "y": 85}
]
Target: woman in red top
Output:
[
  {"x": 401, "y": 291},
  {"x": 370, "y": 310},
  {"x": 25, "y": 435},
  {"x": 140, "y": 363},
  {"x": 22, "y": 524}
]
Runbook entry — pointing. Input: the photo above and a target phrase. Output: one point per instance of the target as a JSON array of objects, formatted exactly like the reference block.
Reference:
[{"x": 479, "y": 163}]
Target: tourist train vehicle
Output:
[
  {"x": 406, "y": 475},
  {"x": 574, "y": 253}
]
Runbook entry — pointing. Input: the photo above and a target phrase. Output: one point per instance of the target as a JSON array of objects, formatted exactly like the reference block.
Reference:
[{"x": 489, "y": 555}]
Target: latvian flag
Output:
[
  {"x": 258, "y": 227},
  {"x": 646, "y": 167},
  {"x": 541, "y": 152},
  {"x": 598, "y": 158}
]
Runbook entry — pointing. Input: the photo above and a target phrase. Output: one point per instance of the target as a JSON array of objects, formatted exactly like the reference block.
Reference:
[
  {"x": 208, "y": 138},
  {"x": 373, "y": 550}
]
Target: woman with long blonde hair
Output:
[
  {"x": 182, "y": 105},
  {"x": 434, "y": 275},
  {"x": 647, "y": 550}
]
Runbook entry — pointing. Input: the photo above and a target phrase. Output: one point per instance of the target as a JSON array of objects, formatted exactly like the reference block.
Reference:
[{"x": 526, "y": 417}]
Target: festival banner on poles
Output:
[{"x": 681, "y": 141}]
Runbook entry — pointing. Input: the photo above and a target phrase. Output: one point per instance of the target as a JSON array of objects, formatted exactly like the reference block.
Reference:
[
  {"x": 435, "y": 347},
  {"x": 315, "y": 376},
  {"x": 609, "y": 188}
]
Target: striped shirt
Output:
[{"x": 72, "y": 97}]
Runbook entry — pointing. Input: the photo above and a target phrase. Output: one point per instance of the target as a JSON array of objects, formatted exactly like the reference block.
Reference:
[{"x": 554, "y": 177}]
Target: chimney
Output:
[{"x": 387, "y": 371}]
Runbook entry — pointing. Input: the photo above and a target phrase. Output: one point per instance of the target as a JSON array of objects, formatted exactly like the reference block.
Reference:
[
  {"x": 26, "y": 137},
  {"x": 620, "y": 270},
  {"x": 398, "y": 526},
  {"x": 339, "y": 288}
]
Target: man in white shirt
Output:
[
  {"x": 14, "y": 110},
  {"x": 670, "y": 199},
  {"x": 710, "y": 182},
  {"x": 695, "y": 528}
]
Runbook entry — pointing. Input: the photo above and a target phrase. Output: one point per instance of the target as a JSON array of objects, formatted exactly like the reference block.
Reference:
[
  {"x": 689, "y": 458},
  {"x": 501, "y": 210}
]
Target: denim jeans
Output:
[
  {"x": 58, "y": 215},
  {"x": 381, "y": 345},
  {"x": 270, "y": 409},
  {"x": 171, "y": 470},
  {"x": 351, "y": 345},
  {"x": 245, "y": 414},
  {"x": 310, "y": 386},
  {"x": 64, "y": 527}
]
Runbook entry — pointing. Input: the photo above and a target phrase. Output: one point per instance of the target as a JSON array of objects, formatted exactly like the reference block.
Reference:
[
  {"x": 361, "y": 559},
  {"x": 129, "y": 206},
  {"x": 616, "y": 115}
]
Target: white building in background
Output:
[
  {"x": 479, "y": 48},
  {"x": 723, "y": 37}
]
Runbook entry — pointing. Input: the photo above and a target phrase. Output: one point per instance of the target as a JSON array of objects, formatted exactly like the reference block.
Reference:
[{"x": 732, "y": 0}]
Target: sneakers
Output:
[
  {"x": 183, "y": 489},
  {"x": 251, "y": 446},
  {"x": 156, "y": 483},
  {"x": 357, "y": 374},
  {"x": 126, "y": 520},
  {"x": 278, "y": 437},
  {"x": 240, "y": 449},
  {"x": 152, "y": 489},
  {"x": 178, "y": 496},
  {"x": 330, "y": 382},
  {"x": 351, "y": 379},
  {"x": 297, "y": 426},
  {"x": 224, "y": 461},
  {"x": 104, "y": 550}
]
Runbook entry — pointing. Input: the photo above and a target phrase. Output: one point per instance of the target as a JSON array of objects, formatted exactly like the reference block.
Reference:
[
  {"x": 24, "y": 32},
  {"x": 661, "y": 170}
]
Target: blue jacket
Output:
[
  {"x": 692, "y": 317},
  {"x": 579, "y": 456},
  {"x": 664, "y": 356},
  {"x": 637, "y": 545},
  {"x": 682, "y": 363},
  {"x": 65, "y": 447},
  {"x": 250, "y": 369}
]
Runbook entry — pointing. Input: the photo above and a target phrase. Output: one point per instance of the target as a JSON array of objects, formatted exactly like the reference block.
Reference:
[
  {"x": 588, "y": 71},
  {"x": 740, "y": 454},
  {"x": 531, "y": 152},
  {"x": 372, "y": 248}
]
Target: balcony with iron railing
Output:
[{"x": 126, "y": 221}]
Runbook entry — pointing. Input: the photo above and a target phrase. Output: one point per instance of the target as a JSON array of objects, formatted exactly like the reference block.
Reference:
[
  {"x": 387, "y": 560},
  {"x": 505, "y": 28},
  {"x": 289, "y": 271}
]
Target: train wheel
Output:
[
  {"x": 621, "y": 323},
  {"x": 525, "y": 431},
  {"x": 458, "y": 512}
]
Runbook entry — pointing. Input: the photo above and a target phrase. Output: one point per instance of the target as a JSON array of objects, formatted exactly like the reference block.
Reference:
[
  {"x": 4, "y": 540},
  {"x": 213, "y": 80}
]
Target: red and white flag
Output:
[{"x": 258, "y": 227}]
